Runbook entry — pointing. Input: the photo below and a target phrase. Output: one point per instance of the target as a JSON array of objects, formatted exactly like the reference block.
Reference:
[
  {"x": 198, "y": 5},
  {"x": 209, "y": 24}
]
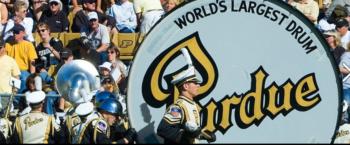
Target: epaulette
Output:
[{"x": 101, "y": 125}]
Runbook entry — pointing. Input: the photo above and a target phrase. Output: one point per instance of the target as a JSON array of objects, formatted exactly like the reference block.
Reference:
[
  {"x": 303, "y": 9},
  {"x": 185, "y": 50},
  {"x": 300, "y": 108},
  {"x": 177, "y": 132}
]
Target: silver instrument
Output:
[{"x": 77, "y": 81}]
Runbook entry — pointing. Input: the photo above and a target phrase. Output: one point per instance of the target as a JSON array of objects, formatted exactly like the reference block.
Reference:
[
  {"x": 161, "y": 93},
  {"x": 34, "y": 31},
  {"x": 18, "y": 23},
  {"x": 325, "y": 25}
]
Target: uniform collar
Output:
[
  {"x": 35, "y": 111},
  {"x": 188, "y": 100}
]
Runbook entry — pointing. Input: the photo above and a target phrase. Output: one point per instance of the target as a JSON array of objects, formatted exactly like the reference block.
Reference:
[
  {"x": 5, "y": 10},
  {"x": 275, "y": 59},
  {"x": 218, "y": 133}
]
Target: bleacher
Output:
[{"x": 127, "y": 42}]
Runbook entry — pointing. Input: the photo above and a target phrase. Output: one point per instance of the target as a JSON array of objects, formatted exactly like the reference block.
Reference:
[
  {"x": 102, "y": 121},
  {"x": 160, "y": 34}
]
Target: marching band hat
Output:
[
  {"x": 187, "y": 75},
  {"x": 84, "y": 109},
  {"x": 35, "y": 97}
]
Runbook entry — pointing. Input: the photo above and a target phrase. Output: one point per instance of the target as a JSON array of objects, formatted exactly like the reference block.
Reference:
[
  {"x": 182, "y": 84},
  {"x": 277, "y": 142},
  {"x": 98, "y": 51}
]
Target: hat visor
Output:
[
  {"x": 189, "y": 80},
  {"x": 193, "y": 80},
  {"x": 37, "y": 103}
]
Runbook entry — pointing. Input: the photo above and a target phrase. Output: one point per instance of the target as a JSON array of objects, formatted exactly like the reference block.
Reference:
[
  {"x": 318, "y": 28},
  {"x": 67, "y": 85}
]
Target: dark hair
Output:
[
  {"x": 114, "y": 48},
  {"x": 36, "y": 105},
  {"x": 2, "y": 42},
  {"x": 30, "y": 79}
]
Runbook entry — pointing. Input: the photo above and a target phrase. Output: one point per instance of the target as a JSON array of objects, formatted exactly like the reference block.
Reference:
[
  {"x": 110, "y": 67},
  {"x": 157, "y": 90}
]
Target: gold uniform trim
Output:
[
  {"x": 19, "y": 130},
  {"x": 47, "y": 132},
  {"x": 83, "y": 130},
  {"x": 183, "y": 111},
  {"x": 69, "y": 126},
  {"x": 96, "y": 129}
]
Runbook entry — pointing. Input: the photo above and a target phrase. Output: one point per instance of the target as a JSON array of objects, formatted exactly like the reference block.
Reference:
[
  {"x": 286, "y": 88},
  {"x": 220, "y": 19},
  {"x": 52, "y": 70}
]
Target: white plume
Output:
[{"x": 187, "y": 56}]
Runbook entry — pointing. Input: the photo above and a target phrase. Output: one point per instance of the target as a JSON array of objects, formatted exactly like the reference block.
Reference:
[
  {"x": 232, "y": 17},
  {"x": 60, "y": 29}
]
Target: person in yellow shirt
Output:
[
  {"x": 9, "y": 69},
  {"x": 309, "y": 8},
  {"x": 148, "y": 12},
  {"x": 23, "y": 52}
]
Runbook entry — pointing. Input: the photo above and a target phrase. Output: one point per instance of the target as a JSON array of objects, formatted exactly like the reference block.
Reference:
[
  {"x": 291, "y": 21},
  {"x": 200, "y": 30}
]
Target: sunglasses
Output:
[
  {"x": 54, "y": 3},
  {"x": 93, "y": 20},
  {"x": 24, "y": 11},
  {"x": 16, "y": 32},
  {"x": 42, "y": 30},
  {"x": 90, "y": 2},
  {"x": 107, "y": 81},
  {"x": 111, "y": 52}
]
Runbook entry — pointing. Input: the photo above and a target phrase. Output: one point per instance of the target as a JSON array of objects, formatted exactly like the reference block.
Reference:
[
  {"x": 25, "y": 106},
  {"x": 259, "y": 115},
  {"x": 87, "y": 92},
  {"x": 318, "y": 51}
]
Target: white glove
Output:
[
  {"x": 191, "y": 126},
  {"x": 60, "y": 116}
]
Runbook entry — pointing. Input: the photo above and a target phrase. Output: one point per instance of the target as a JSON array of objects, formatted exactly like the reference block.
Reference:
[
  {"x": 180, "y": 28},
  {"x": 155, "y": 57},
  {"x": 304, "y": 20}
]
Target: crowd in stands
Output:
[{"x": 36, "y": 63}]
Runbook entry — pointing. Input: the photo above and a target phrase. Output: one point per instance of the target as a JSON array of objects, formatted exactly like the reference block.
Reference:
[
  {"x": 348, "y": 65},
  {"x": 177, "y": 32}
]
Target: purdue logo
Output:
[
  {"x": 156, "y": 94},
  {"x": 266, "y": 73},
  {"x": 126, "y": 43}
]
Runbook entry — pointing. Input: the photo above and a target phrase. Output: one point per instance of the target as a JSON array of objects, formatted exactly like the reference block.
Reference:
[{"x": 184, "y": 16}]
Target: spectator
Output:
[
  {"x": 81, "y": 19},
  {"x": 338, "y": 13},
  {"x": 108, "y": 84},
  {"x": 66, "y": 56},
  {"x": 170, "y": 4},
  {"x": 345, "y": 60},
  {"x": 119, "y": 70},
  {"x": 55, "y": 17},
  {"x": 3, "y": 16},
  {"x": 109, "y": 4},
  {"x": 342, "y": 26},
  {"x": 48, "y": 51},
  {"x": 308, "y": 7},
  {"x": 149, "y": 11},
  {"x": 105, "y": 70},
  {"x": 96, "y": 38},
  {"x": 38, "y": 7},
  {"x": 21, "y": 9},
  {"x": 9, "y": 68},
  {"x": 33, "y": 83},
  {"x": 54, "y": 105},
  {"x": 162, "y": 2},
  {"x": 334, "y": 43},
  {"x": 23, "y": 52},
  {"x": 124, "y": 14},
  {"x": 10, "y": 4},
  {"x": 343, "y": 3},
  {"x": 326, "y": 4},
  {"x": 76, "y": 5}
]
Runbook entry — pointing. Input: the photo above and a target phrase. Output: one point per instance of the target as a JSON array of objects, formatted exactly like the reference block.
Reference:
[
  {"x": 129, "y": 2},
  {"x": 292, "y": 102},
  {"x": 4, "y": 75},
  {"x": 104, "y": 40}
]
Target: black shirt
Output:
[
  {"x": 57, "y": 23},
  {"x": 81, "y": 20},
  {"x": 44, "y": 53},
  {"x": 337, "y": 53}
]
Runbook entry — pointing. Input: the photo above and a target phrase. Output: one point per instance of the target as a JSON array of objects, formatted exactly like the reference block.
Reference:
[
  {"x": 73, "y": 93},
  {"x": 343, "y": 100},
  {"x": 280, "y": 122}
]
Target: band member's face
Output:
[
  {"x": 111, "y": 119},
  {"x": 192, "y": 88}
]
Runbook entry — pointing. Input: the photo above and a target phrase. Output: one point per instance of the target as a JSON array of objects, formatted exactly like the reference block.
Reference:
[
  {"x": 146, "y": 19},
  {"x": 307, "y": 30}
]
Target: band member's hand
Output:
[
  {"x": 192, "y": 129},
  {"x": 212, "y": 136},
  {"x": 131, "y": 134}
]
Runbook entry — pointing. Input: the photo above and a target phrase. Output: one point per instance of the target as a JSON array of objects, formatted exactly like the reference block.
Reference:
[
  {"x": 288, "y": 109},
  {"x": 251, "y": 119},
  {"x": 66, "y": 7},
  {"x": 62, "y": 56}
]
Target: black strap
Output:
[{"x": 3, "y": 31}]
